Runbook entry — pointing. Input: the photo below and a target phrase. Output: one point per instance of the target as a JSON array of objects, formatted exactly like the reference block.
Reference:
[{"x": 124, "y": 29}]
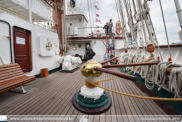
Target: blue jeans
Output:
[
  {"x": 111, "y": 47},
  {"x": 109, "y": 30}
]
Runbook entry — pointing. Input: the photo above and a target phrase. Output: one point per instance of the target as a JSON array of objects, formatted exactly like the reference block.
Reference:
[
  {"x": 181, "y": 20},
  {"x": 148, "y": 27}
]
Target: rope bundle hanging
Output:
[
  {"x": 160, "y": 72},
  {"x": 175, "y": 82}
]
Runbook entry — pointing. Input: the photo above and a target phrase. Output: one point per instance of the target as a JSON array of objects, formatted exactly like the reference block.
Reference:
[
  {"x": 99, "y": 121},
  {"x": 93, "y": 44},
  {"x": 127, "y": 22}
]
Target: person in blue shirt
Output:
[
  {"x": 110, "y": 27},
  {"x": 107, "y": 56}
]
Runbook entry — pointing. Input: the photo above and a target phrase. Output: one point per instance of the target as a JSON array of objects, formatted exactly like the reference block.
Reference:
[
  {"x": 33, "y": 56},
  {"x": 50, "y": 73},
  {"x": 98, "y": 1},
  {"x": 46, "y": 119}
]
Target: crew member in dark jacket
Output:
[
  {"x": 106, "y": 27},
  {"x": 89, "y": 53}
]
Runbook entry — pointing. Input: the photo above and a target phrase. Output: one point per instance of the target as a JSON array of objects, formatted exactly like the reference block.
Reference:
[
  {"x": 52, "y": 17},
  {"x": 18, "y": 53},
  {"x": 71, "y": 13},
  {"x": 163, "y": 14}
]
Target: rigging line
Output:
[
  {"x": 119, "y": 12},
  {"x": 123, "y": 21},
  {"x": 165, "y": 28},
  {"x": 131, "y": 24},
  {"x": 89, "y": 14},
  {"x": 117, "y": 8},
  {"x": 95, "y": 13},
  {"x": 134, "y": 6},
  {"x": 156, "y": 37},
  {"x": 141, "y": 16},
  {"x": 92, "y": 12},
  {"x": 90, "y": 9},
  {"x": 113, "y": 12}
]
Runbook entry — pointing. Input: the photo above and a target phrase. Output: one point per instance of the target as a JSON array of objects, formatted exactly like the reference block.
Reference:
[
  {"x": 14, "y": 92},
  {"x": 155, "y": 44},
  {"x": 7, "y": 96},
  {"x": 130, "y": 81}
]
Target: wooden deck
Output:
[{"x": 52, "y": 96}]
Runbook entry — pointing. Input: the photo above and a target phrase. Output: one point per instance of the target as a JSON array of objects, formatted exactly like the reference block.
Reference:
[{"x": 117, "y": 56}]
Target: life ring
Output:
[{"x": 119, "y": 29}]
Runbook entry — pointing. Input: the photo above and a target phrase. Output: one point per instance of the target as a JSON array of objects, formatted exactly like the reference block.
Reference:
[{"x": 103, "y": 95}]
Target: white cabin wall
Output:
[
  {"x": 38, "y": 62},
  {"x": 100, "y": 49},
  {"x": 77, "y": 23},
  {"x": 50, "y": 62},
  {"x": 118, "y": 52},
  {"x": 119, "y": 44}
]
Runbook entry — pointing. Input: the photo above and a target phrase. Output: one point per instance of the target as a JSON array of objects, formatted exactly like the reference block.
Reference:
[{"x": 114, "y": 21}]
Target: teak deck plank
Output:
[{"x": 53, "y": 96}]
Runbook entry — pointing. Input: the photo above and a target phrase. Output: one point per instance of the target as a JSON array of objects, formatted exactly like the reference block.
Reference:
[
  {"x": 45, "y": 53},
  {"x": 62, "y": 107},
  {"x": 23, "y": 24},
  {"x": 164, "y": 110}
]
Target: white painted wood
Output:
[
  {"x": 4, "y": 44},
  {"x": 38, "y": 62}
]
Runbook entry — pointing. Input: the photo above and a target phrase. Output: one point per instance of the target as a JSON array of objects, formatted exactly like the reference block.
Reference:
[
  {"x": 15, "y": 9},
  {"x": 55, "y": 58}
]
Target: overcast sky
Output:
[{"x": 107, "y": 9}]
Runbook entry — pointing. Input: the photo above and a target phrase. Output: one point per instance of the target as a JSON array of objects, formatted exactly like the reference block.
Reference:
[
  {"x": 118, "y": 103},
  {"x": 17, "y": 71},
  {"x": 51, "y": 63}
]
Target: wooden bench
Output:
[{"x": 12, "y": 76}]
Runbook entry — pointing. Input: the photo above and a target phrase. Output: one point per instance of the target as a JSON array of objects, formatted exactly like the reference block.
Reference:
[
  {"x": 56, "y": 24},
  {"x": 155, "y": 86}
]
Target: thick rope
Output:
[
  {"x": 175, "y": 82},
  {"x": 160, "y": 71},
  {"x": 136, "y": 96},
  {"x": 87, "y": 84}
]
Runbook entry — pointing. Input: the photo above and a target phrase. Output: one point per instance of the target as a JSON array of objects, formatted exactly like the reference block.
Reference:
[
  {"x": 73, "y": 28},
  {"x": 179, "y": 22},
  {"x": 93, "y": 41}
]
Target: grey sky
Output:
[{"x": 108, "y": 7}]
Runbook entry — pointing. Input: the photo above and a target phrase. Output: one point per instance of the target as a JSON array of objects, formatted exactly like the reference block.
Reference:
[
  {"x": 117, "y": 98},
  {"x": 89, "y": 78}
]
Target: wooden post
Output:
[
  {"x": 122, "y": 75},
  {"x": 109, "y": 60},
  {"x": 44, "y": 72},
  {"x": 134, "y": 64}
]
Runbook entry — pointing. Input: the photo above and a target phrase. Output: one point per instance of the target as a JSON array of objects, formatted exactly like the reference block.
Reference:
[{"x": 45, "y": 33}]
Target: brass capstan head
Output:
[{"x": 87, "y": 69}]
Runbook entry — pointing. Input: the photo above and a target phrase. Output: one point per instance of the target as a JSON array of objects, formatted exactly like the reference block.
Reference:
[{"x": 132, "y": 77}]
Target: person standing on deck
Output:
[
  {"x": 106, "y": 28},
  {"x": 111, "y": 43},
  {"x": 110, "y": 27},
  {"x": 107, "y": 56},
  {"x": 89, "y": 52}
]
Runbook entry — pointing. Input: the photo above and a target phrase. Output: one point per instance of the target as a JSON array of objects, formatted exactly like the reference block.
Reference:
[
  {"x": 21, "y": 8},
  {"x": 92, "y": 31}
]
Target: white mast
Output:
[{"x": 179, "y": 12}]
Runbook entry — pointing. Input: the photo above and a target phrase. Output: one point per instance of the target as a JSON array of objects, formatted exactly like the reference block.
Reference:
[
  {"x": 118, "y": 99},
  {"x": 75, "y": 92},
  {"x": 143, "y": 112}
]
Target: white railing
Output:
[
  {"x": 41, "y": 8},
  {"x": 41, "y": 11},
  {"x": 79, "y": 9}
]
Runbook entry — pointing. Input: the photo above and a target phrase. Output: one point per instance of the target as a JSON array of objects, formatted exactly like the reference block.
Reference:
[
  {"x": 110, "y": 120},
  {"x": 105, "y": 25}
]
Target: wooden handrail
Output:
[
  {"x": 134, "y": 64},
  {"x": 109, "y": 60},
  {"x": 122, "y": 75}
]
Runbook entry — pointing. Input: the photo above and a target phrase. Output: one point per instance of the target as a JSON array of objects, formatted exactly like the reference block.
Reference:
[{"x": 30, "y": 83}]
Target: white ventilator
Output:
[
  {"x": 60, "y": 61},
  {"x": 70, "y": 62}
]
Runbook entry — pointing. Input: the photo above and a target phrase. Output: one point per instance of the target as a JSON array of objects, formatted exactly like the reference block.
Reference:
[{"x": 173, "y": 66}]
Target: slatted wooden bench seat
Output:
[{"x": 12, "y": 76}]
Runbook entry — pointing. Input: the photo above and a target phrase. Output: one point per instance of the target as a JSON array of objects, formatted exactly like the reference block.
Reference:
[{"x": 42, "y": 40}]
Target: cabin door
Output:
[{"x": 22, "y": 48}]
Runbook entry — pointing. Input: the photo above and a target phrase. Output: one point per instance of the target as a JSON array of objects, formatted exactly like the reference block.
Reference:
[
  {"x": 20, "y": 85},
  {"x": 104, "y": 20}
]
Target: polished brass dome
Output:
[{"x": 87, "y": 69}]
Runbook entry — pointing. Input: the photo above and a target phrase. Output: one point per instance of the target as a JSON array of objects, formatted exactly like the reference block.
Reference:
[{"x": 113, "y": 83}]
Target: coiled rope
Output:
[
  {"x": 161, "y": 67},
  {"x": 175, "y": 82}
]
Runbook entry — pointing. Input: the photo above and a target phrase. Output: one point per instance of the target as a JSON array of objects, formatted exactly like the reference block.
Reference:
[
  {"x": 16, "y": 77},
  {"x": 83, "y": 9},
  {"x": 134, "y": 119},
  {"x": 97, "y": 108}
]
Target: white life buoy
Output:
[{"x": 118, "y": 31}]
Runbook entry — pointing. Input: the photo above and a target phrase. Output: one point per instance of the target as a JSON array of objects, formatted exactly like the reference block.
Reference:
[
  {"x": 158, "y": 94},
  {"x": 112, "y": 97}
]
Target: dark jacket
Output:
[
  {"x": 106, "y": 28},
  {"x": 89, "y": 52}
]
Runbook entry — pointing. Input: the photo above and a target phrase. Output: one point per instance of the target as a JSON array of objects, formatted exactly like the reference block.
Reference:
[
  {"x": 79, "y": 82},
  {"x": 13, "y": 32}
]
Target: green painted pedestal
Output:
[{"x": 91, "y": 106}]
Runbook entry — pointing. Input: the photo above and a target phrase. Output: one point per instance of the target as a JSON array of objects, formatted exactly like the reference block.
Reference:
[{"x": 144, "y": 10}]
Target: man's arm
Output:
[{"x": 104, "y": 27}]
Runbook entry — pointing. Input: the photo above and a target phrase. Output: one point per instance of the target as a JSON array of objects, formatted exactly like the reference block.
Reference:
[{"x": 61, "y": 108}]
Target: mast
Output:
[
  {"x": 178, "y": 11},
  {"x": 58, "y": 19}
]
